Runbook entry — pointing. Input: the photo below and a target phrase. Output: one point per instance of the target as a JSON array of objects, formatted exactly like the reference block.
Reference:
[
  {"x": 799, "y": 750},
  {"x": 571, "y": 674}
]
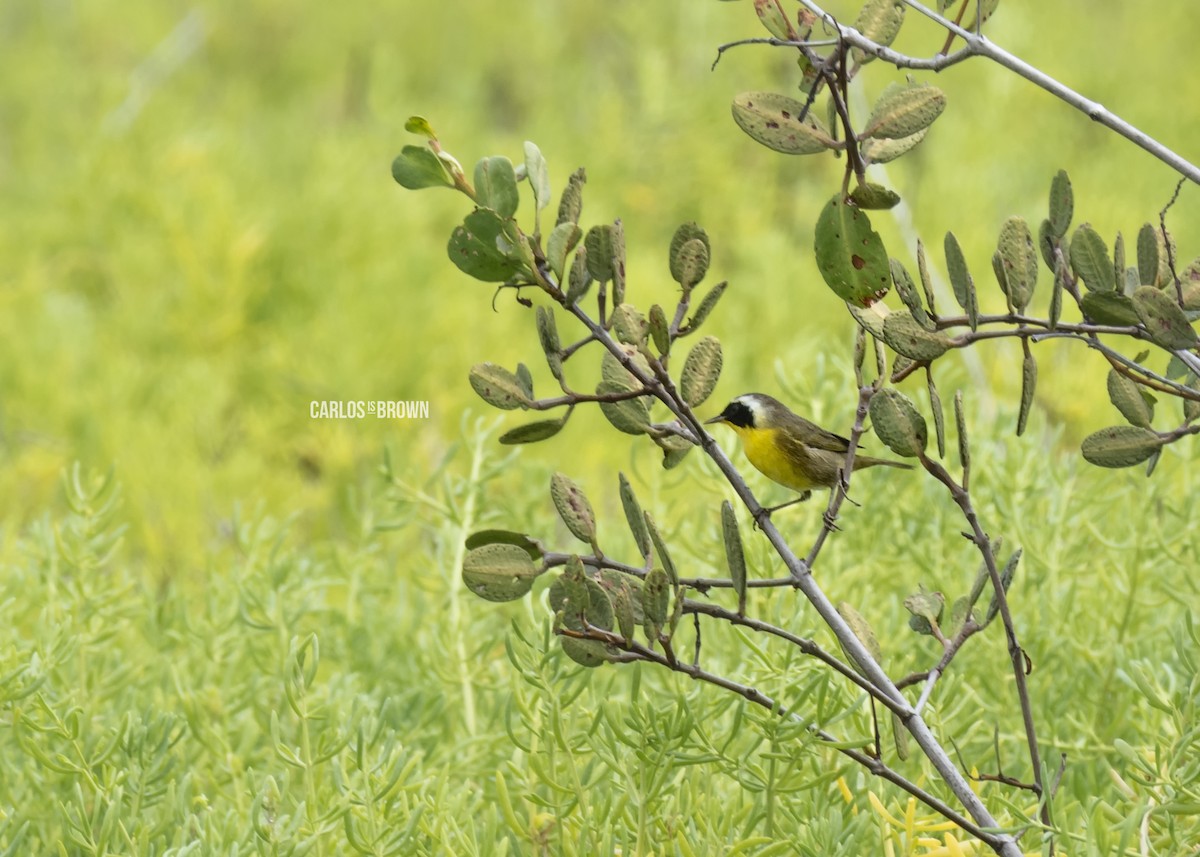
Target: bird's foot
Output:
[
  {"x": 830, "y": 522},
  {"x": 767, "y": 511}
]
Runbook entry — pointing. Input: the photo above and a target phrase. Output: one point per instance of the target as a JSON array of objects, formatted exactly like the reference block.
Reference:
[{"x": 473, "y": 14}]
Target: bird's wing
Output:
[{"x": 815, "y": 436}]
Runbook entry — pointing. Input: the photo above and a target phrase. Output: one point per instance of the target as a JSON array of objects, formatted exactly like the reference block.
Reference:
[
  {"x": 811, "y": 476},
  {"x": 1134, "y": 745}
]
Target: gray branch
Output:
[{"x": 977, "y": 45}]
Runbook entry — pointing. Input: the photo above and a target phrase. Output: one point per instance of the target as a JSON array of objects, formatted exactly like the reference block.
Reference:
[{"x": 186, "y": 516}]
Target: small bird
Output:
[{"x": 789, "y": 449}]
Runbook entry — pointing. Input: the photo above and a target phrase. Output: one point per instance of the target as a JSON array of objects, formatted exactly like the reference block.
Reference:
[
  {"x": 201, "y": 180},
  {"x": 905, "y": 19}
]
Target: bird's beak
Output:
[{"x": 719, "y": 418}]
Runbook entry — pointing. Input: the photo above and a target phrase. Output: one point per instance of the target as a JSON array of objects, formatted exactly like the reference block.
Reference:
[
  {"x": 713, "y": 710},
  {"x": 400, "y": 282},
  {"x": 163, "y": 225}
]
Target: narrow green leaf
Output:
[
  {"x": 850, "y": 254},
  {"x": 579, "y": 280},
  {"x": 1028, "y": 386},
  {"x": 1046, "y": 242},
  {"x": 734, "y": 555},
  {"x": 1089, "y": 260},
  {"x": 960, "y": 280},
  {"x": 960, "y": 420},
  {"x": 1056, "y": 293},
  {"x": 707, "y": 305},
  {"x": 1006, "y": 578},
  {"x": 660, "y": 549},
  {"x": 622, "y": 602},
  {"x": 532, "y": 432},
  {"x": 1147, "y": 255},
  {"x": 656, "y": 603},
  {"x": 926, "y": 281},
  {"x": 618, "y": 263},
  {"x": 701, "y": 371},
  {"x": 939, "y": 418},
  {"x": 660, "y": 330},
  {"x": 547, "y": 330},
  {"x": 538, "y": 173},
  {"x": 1119, "y": 263},
  {"x": 561, "y": 242},
  {"x": 1019, "y": 260},
  {"x": 634, "y": 516},
  {"x": 907, "y": 290},
  {"x": 525, "y": 377},
  {"x": 571, "y": 204},
  {"x": 599, "y": 245},
  {"x": 1062, "y": 204}
]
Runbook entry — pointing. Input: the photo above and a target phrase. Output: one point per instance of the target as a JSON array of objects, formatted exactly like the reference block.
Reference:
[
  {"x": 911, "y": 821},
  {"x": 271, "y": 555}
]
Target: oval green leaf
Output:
[
  {"x": 573, "y": 507},
  {"x": 416, "y": 167},
  {"x": 905, "y": 335},
  {"x": 1126, "y": 396},
  {"x": 850, "y": 254},
  {"x": 499, "y": 572},
  {"x": 1018, "y": 257},
  {"x": 497, "y": 386},
  {"x": 774, "y": 121},
  {"x": 701, "y": 371},
  {"x": 898, "y": 423},
  {"x": 1120, "y": 446},
  {"x": 904, "y": 110},
  {"x": 1164, "y": 319}
]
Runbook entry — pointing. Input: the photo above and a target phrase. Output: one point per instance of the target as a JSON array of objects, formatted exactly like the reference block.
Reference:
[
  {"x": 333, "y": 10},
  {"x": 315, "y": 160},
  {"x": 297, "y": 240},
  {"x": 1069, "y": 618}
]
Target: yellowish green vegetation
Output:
[{"x": 263, "y": 645}]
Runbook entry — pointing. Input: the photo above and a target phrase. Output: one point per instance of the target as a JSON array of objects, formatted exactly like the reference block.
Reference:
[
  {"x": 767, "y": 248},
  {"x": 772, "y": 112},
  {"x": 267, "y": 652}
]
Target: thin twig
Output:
[
  {"x": 1162, "y": 226},
  {"x": 840, "y": 492},
  {"x": 1016, "y": 654}
]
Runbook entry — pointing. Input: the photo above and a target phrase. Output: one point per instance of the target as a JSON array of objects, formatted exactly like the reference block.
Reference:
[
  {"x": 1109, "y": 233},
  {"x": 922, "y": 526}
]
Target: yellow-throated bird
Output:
[{"x": 789, "y": 449}]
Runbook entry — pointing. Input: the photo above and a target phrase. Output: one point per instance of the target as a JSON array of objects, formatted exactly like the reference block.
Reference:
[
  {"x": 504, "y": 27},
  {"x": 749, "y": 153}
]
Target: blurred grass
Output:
[{"x": 198, "y": 244}]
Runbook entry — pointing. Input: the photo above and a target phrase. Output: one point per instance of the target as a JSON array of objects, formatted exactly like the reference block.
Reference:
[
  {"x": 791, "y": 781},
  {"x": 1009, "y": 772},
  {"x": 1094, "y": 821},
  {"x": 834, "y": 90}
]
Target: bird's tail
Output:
[{"x": 867, "y": 461}]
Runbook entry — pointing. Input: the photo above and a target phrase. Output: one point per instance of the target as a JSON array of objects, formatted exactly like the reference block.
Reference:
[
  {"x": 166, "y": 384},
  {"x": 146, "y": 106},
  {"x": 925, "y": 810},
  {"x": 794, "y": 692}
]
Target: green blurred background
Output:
[{"x": 199, "y": 234}]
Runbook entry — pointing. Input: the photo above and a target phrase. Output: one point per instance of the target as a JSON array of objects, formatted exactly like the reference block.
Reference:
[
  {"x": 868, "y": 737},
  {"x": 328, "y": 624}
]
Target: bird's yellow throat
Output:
[{"x": 762, "y": 448}]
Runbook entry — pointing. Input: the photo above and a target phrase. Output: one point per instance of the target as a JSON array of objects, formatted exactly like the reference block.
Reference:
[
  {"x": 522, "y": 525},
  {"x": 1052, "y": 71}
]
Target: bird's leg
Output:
[
  {"x": 767, "y": 511},
  {"x": 844, "y": 484},
  {"x": 804, "y": 495}
]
